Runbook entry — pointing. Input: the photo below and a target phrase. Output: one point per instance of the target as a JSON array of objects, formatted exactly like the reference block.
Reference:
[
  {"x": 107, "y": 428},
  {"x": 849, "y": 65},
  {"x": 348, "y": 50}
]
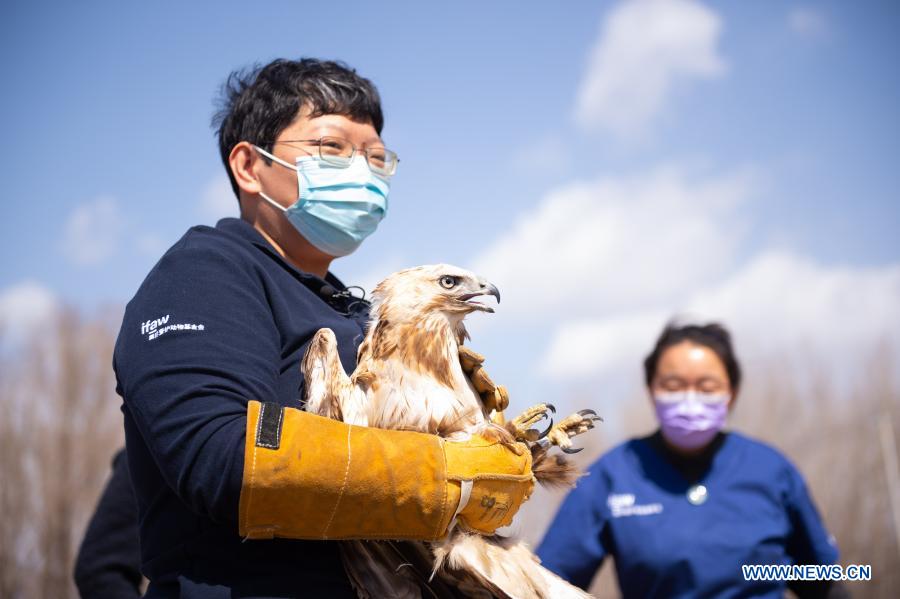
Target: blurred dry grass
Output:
[{"x": 61, "y": 423}]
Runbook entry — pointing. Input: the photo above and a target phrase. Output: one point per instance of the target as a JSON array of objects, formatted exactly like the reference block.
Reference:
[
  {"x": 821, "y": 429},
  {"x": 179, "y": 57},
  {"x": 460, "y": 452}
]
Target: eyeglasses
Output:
[
  {"x": 704, "y": 384},
  {"x": 670, "y": 397},
  {"x": 339, "y": 152}
]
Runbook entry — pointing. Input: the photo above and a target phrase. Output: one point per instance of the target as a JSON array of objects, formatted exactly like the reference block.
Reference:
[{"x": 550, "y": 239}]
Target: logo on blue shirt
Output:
[
  {"x": 623, "y": 504},
  {"x": 155, "y": 328}
]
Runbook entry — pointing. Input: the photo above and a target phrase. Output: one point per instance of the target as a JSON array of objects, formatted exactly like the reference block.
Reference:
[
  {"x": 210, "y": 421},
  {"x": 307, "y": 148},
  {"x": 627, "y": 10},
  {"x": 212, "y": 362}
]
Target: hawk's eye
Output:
[{"x": 448, "y": 282}]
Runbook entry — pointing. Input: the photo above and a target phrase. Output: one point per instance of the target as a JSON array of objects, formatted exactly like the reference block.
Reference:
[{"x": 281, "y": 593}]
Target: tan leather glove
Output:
[
  {"x": 309, "y": 477},
  {"x": 494, "y": 397}
]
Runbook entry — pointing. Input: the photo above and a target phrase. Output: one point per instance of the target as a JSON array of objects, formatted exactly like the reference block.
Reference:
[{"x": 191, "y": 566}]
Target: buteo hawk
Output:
[{"x": 411, "y": 375}]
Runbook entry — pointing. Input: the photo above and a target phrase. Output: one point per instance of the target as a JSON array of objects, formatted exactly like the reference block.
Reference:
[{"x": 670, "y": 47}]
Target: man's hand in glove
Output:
[{"x": 309, "y": 477}]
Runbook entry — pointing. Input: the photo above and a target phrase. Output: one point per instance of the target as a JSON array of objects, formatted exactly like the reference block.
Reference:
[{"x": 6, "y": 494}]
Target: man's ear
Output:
[{"x": 244, "y": 160}]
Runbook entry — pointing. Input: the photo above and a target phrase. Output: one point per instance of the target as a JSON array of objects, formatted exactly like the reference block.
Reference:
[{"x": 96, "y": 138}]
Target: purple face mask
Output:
[{"x": 690, "y": 420}]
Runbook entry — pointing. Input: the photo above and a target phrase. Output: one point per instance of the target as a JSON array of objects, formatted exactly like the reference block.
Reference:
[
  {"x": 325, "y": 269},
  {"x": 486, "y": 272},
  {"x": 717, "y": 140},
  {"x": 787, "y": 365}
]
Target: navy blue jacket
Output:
[
  {"x": 634, "y": 506},
  {"x": 220, "y": 320}
]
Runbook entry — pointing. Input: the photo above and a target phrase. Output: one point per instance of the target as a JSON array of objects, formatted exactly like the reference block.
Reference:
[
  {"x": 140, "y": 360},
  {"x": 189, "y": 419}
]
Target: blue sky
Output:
[{"x": 607, "y": 164}]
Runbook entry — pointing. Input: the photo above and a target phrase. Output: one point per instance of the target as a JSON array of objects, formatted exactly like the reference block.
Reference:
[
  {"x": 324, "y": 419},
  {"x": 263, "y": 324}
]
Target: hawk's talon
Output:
[
  {"x": 521, "y": 426},
  {"x": 559, "y": 434},
  {"x": 593, "y": 415},
  {"x": 580, "y": 422},
  {"x": 547, "y": 430}
]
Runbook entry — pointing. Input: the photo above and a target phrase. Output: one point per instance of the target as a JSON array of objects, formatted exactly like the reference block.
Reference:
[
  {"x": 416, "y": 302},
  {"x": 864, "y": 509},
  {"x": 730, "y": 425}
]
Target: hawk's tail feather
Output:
[
  {"x": 375, "y": 571},
  {"x": 498, "y": 567},
  {"x": 393, "y": 570}
]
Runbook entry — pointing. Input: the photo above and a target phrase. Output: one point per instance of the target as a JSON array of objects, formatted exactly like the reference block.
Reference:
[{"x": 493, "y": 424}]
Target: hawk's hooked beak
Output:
[{"x": 485, "y": 288}]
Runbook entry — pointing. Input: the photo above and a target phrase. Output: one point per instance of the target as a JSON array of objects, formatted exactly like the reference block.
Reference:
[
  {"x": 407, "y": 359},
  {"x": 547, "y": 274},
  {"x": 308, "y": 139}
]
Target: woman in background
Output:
[{"x": 684, "y": 508}]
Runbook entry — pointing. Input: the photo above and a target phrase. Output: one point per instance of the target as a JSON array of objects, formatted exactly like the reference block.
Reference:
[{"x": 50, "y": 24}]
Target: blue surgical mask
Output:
[{"x": 337, "y": 207}]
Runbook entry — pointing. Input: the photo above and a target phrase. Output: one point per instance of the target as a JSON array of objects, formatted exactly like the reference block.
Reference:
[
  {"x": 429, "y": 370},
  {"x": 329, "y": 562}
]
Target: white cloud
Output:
[
  {"x": 807, "y": 22},
  {"x": 24, "y": 308},
  {"x": 92, "y": 232},
  {"x": 779, "y": 304},
  {"x": 646, "y": 47},
  {"x": 592, "y": 347},
  {"x": 617, "y": 243},
  {"x": 783, "y": 300},
  {"x": 544, "y": 156},
  {"x": 217, "y": 200},
  {"x": 151, "y": 245},
  {"x": 594, "y": 271}
]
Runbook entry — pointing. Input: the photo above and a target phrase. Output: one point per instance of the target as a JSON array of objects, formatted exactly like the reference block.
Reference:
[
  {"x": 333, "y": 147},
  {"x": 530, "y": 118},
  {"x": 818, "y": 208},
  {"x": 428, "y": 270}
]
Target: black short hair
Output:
[
  {"x": 713, "y": 335},
  {"x": 257, "y": 104}
]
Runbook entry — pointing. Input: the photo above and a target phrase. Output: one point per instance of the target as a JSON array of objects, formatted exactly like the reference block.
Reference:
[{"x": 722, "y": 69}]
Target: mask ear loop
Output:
[{"x": 284, "y": 164}]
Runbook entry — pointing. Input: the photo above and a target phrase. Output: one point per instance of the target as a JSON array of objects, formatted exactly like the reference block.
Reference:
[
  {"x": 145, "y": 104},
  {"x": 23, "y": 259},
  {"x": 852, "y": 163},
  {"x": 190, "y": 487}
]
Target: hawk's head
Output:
[{"x": 435, "y": 288}]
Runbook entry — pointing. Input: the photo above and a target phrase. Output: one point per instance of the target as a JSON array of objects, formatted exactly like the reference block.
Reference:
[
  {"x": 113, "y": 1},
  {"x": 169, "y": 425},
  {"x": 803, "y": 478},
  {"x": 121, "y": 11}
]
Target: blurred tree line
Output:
[
  {"x": 61, "y": 423},
  {"x": 60, "y": 426}
]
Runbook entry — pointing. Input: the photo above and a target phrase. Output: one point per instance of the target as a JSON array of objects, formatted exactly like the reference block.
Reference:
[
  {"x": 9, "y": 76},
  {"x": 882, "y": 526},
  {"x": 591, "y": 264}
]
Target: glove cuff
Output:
[{"x": 309, "y": 477}]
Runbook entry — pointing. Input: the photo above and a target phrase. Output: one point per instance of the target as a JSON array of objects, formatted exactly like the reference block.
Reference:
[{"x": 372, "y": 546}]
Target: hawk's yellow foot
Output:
[
  {"x": 579, "y": 422},
  {"x": 520, "y": 426},
  {"x": 494, "y": 397}
]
